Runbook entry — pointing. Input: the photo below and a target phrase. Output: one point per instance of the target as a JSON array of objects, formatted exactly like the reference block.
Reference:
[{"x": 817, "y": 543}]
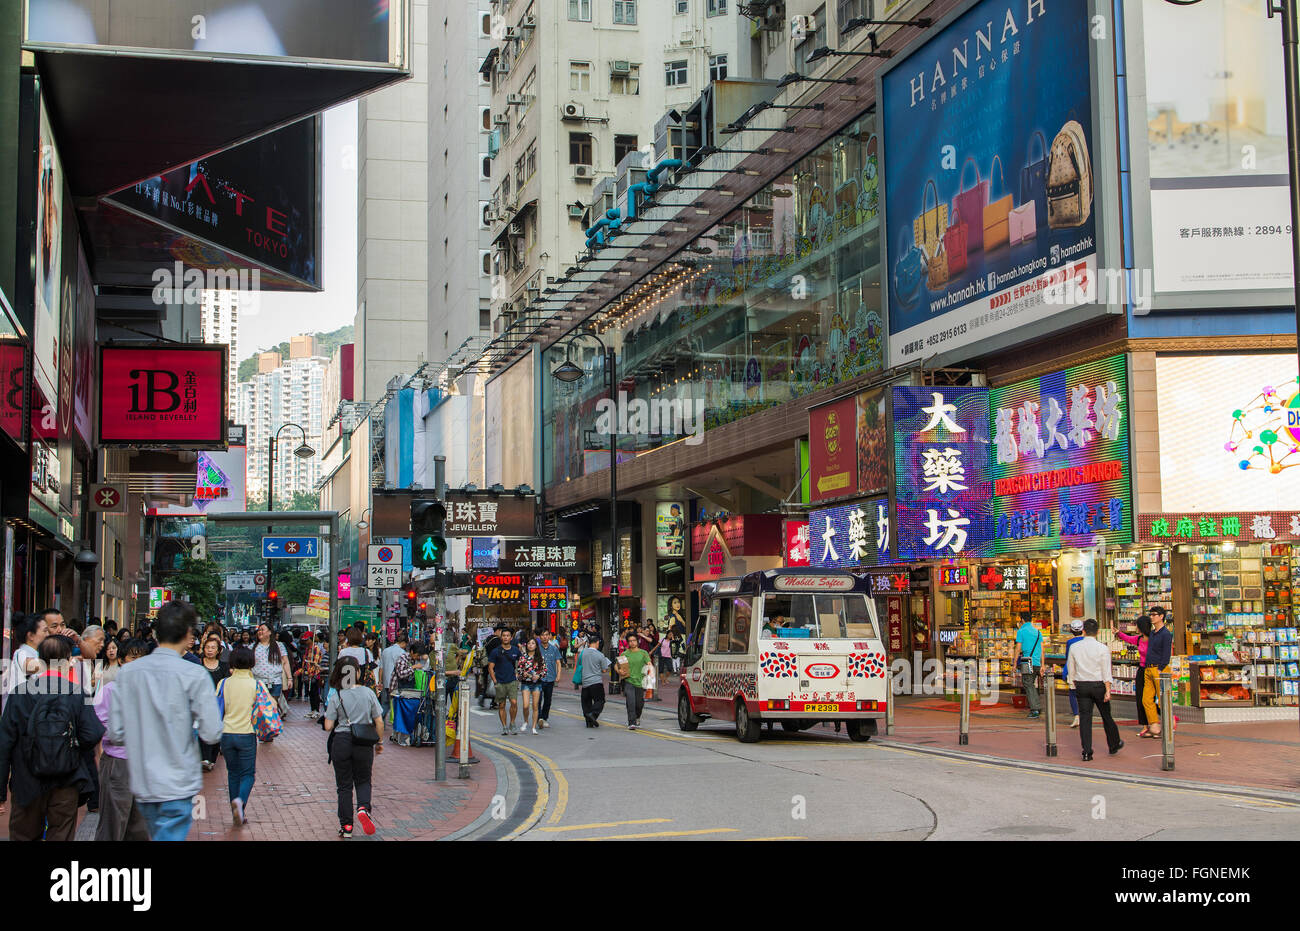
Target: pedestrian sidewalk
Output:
[
  {"x": 294, "y": 796},
  {"x": 1262, "y": 755}
]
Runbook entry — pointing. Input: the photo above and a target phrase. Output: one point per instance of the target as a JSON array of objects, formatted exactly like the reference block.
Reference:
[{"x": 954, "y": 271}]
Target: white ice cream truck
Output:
[{"x": 798, "y": 646}]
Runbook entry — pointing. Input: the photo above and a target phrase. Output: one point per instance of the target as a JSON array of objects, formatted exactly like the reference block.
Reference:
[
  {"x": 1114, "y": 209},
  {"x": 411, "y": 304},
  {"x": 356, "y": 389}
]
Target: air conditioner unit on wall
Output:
[
  {"x": 516, "y": 100},
  {"x": 582, "y": 172},
  {"x": 621, "y": 67},
  {"x": 500, "y": 120},
  {"x": 576, "y": 212},
  {"x": 573, "y": 111},
  {"x": 517, "y": 229}
]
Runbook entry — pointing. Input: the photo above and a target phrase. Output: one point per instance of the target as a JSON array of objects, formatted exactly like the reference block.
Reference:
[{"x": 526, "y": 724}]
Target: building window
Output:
[
  {"x": 717, "y": 67},
  {"x": 519, "y": 173},
  {"x": 683, "y": 7},
  {"x": 675, "y": 73},
  {"x": 485, "y": 117},
  {"x": 484, "y": 24},
  {"x": 484, "y": 209},
  {"x": 622, "y": 146},
  {"x": 580, "y": 76},
  {"x": 487, "y": 167},
  {"x": 531, "y": 160},
  {"x": 717, "y": 8},
  {"x": 486, "y": 258},
  {"x": 580, "y": 10},
  {"x": 626, "y": 82},
  {"x": 625, "y": 12},
  {"x": 579, "y": 148},
  {"x": 846, "y": 10}
]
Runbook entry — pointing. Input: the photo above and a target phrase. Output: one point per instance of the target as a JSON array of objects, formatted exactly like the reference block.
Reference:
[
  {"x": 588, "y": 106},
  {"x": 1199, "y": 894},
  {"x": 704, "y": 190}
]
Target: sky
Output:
[{"x": 278, "y": 316}]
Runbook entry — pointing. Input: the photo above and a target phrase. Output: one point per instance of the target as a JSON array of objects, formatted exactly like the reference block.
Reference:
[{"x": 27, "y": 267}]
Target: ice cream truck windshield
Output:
[{"x": 821, "y": 615}]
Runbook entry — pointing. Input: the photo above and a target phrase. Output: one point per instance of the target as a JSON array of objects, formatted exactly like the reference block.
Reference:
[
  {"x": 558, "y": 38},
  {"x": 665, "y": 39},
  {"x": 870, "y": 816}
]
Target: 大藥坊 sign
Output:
[{"x": 850, "y": 535}]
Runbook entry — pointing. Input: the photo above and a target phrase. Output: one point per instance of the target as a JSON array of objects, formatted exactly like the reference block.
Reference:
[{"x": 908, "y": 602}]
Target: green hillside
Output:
[{"x": 326, "y": 343}]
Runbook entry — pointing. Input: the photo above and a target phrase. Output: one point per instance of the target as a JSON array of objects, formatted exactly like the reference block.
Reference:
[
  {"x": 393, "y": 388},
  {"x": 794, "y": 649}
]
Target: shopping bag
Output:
[
  {"x": 929, "y": 227},
  {"x": 969, "y": 205},
  {"x": 996, "y": 226},
  {"x": 1033, "y": 182},
  {"x": 266, "y": 719},
  {"x": 1023, "y": 222},
  {"x": 954, "y": 245}
]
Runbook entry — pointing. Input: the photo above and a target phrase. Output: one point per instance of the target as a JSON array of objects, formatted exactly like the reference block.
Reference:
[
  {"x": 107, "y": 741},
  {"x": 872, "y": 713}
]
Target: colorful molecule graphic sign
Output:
[{"x": 1266, "y": 433}]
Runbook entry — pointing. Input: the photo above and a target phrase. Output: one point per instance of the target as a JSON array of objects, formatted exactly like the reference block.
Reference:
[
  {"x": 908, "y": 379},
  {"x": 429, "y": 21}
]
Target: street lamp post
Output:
[
  {"x": 302, "y": 451},
  {"x": 569, "y": 372}
]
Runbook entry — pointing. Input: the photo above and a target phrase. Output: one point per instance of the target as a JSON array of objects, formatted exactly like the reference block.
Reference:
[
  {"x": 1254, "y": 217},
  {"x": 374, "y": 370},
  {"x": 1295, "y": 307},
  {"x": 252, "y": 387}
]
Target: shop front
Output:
[{"x": 732, "y": 545}]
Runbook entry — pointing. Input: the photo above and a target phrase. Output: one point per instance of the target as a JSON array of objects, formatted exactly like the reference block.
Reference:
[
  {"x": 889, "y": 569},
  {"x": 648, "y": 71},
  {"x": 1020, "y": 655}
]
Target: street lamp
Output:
[
  {"x": 569, "y": 372},
  {"x": 302, "y": 451}
]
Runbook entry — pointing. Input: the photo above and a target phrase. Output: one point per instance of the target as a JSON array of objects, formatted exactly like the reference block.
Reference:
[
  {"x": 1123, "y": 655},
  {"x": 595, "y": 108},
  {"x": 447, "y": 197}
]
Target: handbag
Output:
[
  {"x": 266, "y": 720},
  {"x": 1033, "y": 185},
  {"x": 909, "y": 272},
  {"x": 1069, "y": 179},
  {"x": 996, "y": 226},
  {"x": 937, "y": 266},
  {"x": 936, "y": 217},
  {"x": 954, "y": 244},
  {"x": 969, "y": 205},
  {"x": 364, "y": 733},
  {"x": 1023, "y": 223}
]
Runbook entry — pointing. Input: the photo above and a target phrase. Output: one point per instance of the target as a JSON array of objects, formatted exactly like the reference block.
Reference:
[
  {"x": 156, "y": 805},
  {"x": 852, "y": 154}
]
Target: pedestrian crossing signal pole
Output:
[{"x": 440, "y": 612}]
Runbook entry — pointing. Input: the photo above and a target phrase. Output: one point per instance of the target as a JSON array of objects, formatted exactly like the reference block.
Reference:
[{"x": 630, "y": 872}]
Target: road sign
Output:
[
  {"x": 384, "y": 566},
  {"x": 242, "y": 582},
  {"x": 290, "y": 547},
  {"x": 259, "y": 578},
  {"x": 107, "y": 498}
]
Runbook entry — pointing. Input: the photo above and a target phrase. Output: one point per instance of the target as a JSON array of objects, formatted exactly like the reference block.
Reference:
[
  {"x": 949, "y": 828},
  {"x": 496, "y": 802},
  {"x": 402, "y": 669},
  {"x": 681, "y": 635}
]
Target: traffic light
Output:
[
  {"x": 410, "y": 602},
  {"x": 428, "y": 546},
  {"x": 272, "y": 606},
  {"x": 422, "y": 612}
]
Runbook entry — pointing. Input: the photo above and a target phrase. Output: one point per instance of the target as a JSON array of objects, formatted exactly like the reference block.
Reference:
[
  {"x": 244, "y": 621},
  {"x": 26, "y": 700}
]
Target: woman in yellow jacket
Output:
[{"x": 238, "y": 739}]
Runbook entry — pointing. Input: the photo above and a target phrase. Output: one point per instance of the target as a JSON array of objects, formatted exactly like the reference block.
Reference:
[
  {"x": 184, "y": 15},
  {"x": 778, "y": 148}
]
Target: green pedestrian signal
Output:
[{"x": 428, "y": 544}]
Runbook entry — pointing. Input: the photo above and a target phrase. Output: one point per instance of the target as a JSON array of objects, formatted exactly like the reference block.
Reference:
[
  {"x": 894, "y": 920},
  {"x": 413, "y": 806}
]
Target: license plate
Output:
[{"x": 831, "y": 707}]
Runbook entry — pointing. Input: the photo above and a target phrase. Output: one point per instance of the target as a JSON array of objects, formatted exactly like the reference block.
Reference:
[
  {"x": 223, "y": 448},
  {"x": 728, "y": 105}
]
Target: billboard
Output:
[
  {"x": 219, "y": 486},
  {"x": 49, "y": 261},
  {"x": 941, "y": 453},
  {"x": 163, "y": 394},
  {"x": 850, "y": 535},
  {"x": 988, "y": 155},
  {"x": 670, "y": 529},
  {"x": 833, "y": 449},
  {"x": 1060, "y": 466},
  {"x": 1229, "y": 431},
  {"x": 259, "y": 200},
  {"x": 334, "y": 30},
  {"x": 1217, "y": 149}
]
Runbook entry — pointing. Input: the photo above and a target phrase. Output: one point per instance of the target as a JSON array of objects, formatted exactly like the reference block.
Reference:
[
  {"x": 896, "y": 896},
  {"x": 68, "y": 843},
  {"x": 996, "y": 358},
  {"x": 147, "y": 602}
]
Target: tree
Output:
[
  {"x": 294, "y": 585},
  {"x": 199, "y": 581}
]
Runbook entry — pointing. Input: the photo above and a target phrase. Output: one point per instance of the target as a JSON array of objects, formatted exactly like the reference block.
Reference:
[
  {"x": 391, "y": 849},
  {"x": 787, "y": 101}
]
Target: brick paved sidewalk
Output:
[
  {"x": 294, "y": 796},
  {"x": 1264, "y": 755}
]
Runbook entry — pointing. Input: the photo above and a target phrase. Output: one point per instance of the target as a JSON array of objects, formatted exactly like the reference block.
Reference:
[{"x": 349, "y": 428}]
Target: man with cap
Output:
[{"x": 1076, "y": 634}]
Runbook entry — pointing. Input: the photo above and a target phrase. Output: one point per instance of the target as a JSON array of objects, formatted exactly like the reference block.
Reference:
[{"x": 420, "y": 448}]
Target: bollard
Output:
[
  {"x": 1166, "y": 721},
  {"x": 462, "y": 726},
  {"x": 964, "y": 736},
  {"x": 889, "y": 706},
  {"x": 1049, "y": 705}
]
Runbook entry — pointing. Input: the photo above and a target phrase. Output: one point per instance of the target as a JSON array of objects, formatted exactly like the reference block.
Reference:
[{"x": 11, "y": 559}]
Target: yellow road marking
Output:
[
  {"x": 662, "y": 834},
  {"x": 543, "y": 788},
  {"x": 608, "y": 824}
]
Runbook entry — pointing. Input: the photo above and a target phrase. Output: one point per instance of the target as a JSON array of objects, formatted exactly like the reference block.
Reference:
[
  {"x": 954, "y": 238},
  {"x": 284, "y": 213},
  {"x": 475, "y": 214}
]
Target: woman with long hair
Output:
[
  {"x": 1139, "y": 640},
  {"x": 270, "y": 664},
  {"x": 530, "y": 670},
  {"x": 210, "y": 659},
  {"x": 353, "y": 760}
]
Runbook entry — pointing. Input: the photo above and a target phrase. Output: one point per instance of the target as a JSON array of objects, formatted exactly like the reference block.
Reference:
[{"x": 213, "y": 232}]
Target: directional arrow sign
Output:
[{"x": 290, "y": 547}]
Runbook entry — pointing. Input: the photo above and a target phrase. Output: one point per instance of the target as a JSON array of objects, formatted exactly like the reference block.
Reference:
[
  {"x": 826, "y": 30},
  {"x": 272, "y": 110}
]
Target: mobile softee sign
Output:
[
  {"x": 941, "y": 453},
  {"x": 988, "y": 176},
  {"x": 163, "y": 394},
  {"x": 1060, "y": 466}
]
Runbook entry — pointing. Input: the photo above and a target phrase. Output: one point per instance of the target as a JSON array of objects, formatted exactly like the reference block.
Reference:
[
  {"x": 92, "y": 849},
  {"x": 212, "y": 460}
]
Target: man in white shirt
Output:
[
  {"x": 387, "y": 660},
  {"x": 1088, "y": 667}
]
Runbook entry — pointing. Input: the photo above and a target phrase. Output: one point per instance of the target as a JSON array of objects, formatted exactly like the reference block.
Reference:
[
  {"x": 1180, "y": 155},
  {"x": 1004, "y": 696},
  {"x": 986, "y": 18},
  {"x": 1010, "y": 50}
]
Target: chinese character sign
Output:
[
  {"x": 1218, "y": 527},
  {"x": 1060, "y": 461},
  {"x": 798, "y": 551},
  {"x": 845, "y": 537},
  {"x": 941, "y": 456}
]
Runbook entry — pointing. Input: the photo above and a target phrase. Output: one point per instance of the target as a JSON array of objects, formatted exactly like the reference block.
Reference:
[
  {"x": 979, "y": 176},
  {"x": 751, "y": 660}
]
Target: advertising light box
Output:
[
  {"x": 163, "y": 394},
  {"x": 1060, "y": 463},
  {"x": 988, "y": 168}
]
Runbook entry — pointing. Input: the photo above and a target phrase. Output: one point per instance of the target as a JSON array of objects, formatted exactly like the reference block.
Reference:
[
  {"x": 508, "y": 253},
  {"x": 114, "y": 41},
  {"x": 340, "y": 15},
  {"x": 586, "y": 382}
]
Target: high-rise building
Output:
[
  {"x": 292, "y": 393},
  {"x": 219, "y": 323}
]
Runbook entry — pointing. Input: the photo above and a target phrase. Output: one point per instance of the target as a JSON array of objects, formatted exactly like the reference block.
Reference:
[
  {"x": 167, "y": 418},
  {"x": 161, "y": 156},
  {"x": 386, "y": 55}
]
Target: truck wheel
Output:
[
  {"x": 861, "y": 731},
  {"x": 790, "y": 726},
  {"x": 748, "y": 729},
  {"x": 687, "y": 720}
]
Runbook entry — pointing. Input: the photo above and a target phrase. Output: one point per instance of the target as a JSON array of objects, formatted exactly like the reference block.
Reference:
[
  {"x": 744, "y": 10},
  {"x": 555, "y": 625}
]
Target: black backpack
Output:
[{"x": 53, "y": 749}]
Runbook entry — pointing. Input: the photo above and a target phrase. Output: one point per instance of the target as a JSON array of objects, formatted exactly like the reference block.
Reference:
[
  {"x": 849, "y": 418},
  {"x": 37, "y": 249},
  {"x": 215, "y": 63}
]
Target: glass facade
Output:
[{"x": 779, "y": 298}]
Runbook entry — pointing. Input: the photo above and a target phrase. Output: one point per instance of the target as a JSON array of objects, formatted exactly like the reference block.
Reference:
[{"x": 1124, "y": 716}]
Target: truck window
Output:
[
  {"x": 788, "y": 616},
  {"x": 720, "y": 627},
  {"x": 799, "y": 616},
  {"x": 741, "y": 626},
  {"x": 844, "y": 616}
]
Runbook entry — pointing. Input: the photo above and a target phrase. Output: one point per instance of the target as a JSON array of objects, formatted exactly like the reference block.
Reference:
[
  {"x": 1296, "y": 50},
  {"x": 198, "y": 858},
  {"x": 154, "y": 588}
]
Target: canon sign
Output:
[{"x": 163, "y": 394}]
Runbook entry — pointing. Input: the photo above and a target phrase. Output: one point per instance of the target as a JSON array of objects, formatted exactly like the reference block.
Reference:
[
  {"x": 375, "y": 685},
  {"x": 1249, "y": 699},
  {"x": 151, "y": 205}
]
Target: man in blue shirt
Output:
[
  {"x": 1029, "y": 660},
  {"x": 1160, "y": 649},
  {"x": 501, "y": 670},
  {"x": 551, "y": 656},
  {"x": 1076, "y": 629}
]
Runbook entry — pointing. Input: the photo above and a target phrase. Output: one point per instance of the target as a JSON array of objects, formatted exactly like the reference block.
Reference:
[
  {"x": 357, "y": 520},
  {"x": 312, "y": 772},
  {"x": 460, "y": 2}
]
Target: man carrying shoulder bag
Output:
[{"x": 1029, "y": 660}]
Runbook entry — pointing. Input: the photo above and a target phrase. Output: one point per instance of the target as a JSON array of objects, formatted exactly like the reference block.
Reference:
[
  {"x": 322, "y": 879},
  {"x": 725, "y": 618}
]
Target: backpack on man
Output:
[{"x": 53, "y": 749}]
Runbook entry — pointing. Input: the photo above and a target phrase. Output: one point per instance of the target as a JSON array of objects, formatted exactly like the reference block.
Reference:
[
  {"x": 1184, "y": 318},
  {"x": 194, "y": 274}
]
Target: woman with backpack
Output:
[
  {"x": 50, "y": 775},
  {"x": 355, "y": 723},
  {"x": 119, "y": 816},
  {"x": 271, "y": 664}
]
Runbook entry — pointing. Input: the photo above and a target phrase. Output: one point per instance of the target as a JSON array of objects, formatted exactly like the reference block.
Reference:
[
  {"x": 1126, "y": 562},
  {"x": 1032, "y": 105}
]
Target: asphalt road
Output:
[{"x": 575, "y": 783}]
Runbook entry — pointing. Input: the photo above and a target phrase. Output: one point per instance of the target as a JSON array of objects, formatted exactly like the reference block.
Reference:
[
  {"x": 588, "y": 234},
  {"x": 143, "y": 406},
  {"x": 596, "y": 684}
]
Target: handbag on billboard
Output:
[
  {"x": 954, "y": 244},
  {"x": 1069, "y": 179},
  {"x": 1023, "y": 222},
  {"x": 970, "y": 206},
  {"x": 909, "y": 271},
  {"x": 996, "y": 226},
  {"x": 1033, "y": 179},
  {"x": 929, "y": 227},
  {"x": 936, "y": 265}
]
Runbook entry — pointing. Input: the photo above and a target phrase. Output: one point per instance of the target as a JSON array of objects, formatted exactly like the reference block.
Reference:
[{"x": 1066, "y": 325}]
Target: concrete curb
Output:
[
  {"x": 1260, "y": 793},
  {"x": 495, "y": 757}
]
